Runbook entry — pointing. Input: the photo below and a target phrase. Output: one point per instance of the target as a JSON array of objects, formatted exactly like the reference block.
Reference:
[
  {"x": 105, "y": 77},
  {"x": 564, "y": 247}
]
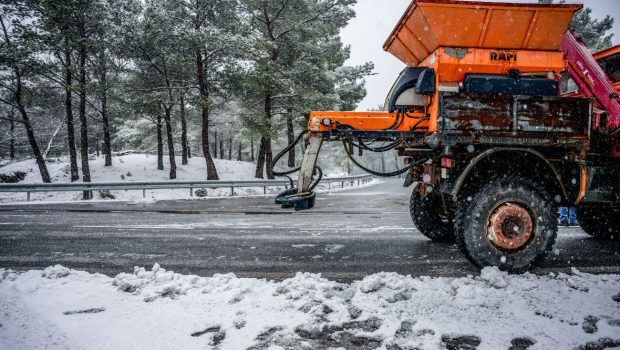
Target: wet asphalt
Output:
[{"x": 348, "y": 235}]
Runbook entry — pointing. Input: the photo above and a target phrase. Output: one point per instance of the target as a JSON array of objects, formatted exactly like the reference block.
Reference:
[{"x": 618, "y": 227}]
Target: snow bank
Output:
[
  {"x": 159, "y": 309},
  {"x": 134, "y": 168}
]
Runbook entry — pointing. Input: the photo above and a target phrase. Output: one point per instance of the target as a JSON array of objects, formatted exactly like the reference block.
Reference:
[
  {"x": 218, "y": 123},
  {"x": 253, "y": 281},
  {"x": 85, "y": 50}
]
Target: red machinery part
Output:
[{"x": 591, "y": 79}]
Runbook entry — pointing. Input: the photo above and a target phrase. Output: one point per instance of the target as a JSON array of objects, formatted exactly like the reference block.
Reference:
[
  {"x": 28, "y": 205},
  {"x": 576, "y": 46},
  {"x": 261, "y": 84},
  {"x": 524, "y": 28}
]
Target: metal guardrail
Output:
[{"x": 191, "y": 185}]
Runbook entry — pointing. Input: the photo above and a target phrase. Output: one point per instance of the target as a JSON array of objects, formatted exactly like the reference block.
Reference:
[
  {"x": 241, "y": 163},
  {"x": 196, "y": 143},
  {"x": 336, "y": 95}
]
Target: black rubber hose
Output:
[
  {"x": 316, "y": 182},
  {"x": 396, "y": 120},
  {"x": 372, "y": 172},
  {"x": 389, "y": 147},
  {"x": 363, "y": 146},
  {"x": 288, "y": 172},
  {"x": 282, "y": 153}
]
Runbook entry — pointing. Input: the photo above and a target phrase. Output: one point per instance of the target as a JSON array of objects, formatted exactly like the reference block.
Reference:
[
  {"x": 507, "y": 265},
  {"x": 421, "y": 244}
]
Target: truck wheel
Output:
[
  {"x": 509, "y": 223},
  {"x": 601, "y": 223},
  {"x": 425, "y": 213}
]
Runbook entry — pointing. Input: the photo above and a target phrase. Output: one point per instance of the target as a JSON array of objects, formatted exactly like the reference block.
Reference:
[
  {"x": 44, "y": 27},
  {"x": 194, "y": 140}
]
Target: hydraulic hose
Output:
[
  {"x": 381, "y": 149},
  {"x": 318, "y": 179},
  {"x": 372, "y": 172},
  {"x": 290, "y": 171},
  {"x": 282, "y": 153}
]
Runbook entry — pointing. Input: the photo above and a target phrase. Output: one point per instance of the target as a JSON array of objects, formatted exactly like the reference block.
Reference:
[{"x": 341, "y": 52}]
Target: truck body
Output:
[{"x": 492, "y": 142}]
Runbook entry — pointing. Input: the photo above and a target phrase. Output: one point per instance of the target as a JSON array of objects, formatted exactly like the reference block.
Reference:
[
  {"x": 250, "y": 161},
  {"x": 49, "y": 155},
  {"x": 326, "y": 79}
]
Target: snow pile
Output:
[
  {"x": 160, "y": 309},
  {"x": 56, "y": 271}
]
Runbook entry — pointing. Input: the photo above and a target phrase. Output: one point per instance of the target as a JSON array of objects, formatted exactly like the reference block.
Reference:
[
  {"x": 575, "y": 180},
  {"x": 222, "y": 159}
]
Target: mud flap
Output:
[{"x": 302, "y": 197}]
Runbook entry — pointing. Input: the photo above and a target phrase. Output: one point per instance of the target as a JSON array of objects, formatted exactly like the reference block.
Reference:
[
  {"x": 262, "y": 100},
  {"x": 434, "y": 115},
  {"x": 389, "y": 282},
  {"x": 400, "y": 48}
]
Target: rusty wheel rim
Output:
[{"x": 510, "y": 226}]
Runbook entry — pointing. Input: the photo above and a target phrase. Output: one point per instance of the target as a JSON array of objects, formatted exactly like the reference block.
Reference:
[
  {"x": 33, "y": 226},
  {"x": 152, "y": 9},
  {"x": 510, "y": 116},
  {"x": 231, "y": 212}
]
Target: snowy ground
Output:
[
  {"x": 134, "y": 168},
  {"x": 60, "y": 308}
]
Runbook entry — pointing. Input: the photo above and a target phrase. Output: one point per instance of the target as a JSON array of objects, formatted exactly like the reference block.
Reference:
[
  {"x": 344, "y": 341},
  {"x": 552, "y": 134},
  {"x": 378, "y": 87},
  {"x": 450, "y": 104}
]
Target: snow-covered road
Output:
[
  {"x": 347, "y": 236},
  {"x": 58, "y": 308}
]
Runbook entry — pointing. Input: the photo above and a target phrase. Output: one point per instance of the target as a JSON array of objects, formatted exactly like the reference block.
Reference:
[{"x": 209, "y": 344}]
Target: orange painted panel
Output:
[
  {"x": 508, "y": 28},
  {"x": 431, "y": 24},
  {"x": 607, "y": 52},
  {"x": 414, "y": 43},
  {"x": 365, "y": 121},
  {"x": 453, "y": 69},
  {"x": 459, "y": 28},
  {"x": 418, "y": 25},
  {"x": 404, "y": 54},
  {"x": 549, "y": 30}
]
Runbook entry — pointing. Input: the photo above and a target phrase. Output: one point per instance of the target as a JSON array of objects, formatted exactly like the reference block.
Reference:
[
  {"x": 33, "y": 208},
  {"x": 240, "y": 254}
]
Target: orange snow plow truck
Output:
[{"x": 501, "y": 116}]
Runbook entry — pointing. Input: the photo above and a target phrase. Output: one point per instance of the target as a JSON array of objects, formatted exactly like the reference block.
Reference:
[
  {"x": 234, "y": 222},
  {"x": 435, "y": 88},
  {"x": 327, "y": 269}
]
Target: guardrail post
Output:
[
  {"x": 191, "y": 192},
  {"x": 358, "y": 182},
  {"x": 232, "y": 191},
  {"x": 351, "y": 183},
  {"x": 329, "y": 185},
  {"x": 28, "y": 196},
  {"x": 342, "y": 184},
  {"x": 264, "y": 189},
  {"x": 144, "y": 193}
]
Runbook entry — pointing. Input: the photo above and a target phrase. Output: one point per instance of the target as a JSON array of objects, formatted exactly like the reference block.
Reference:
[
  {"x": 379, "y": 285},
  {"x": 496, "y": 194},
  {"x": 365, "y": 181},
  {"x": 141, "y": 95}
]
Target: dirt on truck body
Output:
[{"x": 493, "y": 142}]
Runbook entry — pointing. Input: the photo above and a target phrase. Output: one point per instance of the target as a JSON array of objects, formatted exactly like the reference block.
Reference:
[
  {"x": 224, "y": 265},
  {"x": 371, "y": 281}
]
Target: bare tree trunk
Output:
[
  {"x": 265, "y": 144},
  {"x": 252, "y": 149},
  {"x": 83, "y": 122},
  {"x": 222, "y": 148},
  {"x": 51, "y": 141},
  {"x": 290, "y": 132},
  {"x": 69, "y": 115},
  {"x": 160, "y": 144},
  {"x": 230, "y": 147},
  {"x": 45, "y": 176},
  {"x": 260, "y": 160},
  {"x": 204, "y": 95},
  {"x": 215, "y": 144},
  {"x": 107, "y": 142},
  {"x": 97, "y": 145},
  {"x": 267, "y": 141},
  {"x": 239, "y": 152},
  {"x": 170, "y": 143},
  {"x": 12, "y": 142},
  {"x": 269, "y": 158},
  {"x": 184, "y": 152}
]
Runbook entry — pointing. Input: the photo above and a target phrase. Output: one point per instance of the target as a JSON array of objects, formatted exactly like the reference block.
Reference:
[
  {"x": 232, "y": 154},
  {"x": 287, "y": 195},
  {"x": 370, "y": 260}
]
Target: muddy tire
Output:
[
  {"x": 510, "y": 223},
  {"x": 426, "y": 215},
  {"x": 602, "y": 223}
]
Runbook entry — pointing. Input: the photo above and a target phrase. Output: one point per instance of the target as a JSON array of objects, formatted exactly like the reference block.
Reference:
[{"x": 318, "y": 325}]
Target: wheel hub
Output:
[{"x": 510, "y": 226}]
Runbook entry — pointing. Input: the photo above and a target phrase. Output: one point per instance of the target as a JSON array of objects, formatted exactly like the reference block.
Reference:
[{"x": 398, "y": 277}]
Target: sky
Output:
[{"x": 376, "y": 19}]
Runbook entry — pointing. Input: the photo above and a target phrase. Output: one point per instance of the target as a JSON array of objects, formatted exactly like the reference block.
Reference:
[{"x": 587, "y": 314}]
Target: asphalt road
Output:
[{"x": 347, "y": 236}]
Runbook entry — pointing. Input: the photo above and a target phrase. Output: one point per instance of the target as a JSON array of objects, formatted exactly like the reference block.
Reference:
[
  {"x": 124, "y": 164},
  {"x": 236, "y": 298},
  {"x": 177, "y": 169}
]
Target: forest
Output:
[{"x": 196, "y": 78}]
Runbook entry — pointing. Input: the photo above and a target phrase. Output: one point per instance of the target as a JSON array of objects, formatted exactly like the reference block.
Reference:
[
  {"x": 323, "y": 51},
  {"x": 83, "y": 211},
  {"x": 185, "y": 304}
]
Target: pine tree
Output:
[
  {"x": 285, "y": 33},
  {"x": 593, "y": 32},
  {"x": 60, "y": 37},
  {"x": 17, "y": 59},
  {"x": 215, "y": 34}
]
